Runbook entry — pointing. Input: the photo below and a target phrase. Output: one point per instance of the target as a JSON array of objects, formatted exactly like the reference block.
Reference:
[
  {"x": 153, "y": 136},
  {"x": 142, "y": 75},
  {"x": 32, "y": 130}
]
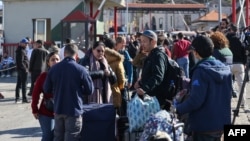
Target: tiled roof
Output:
[
  {"x": 212, "y": 16},
  {"x": 156, "y": 5},
  {"x": 164, "y": 7},
  {"x": 77, "y": 16}
]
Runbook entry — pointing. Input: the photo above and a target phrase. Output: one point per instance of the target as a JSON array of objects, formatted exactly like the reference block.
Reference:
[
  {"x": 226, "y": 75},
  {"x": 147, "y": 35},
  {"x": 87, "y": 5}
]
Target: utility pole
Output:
[
  {"x": 126, "y": 21},
  {"x": 220, "y": 13}
]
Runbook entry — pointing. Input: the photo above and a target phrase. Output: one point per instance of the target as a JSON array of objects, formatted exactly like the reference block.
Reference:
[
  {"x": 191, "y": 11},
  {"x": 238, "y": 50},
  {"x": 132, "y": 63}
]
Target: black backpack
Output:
[{"x": 174, "y": 78}]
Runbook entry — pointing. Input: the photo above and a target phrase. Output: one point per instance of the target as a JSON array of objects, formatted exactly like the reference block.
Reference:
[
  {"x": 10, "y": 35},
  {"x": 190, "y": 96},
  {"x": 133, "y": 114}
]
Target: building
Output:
[
  {"x": 42, "y": 19},
  {"x": 168, "y": 16}
]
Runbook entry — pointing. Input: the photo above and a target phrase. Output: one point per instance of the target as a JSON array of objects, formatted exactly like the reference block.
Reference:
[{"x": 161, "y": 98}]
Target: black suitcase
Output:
[{"x": 98, "y": 122}]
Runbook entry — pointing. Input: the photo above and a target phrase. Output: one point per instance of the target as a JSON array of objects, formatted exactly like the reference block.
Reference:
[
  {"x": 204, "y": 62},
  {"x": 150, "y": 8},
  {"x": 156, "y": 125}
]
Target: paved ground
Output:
[{"x": 17, "y": 122}]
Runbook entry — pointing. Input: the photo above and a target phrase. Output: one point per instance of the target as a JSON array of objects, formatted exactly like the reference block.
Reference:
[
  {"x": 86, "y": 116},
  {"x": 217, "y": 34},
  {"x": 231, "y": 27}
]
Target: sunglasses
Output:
[{"x": 99, "y": 51}]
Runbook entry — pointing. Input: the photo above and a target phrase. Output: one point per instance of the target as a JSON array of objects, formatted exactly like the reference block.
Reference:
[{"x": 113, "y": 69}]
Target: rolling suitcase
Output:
[{"x": 98, "y": 122}]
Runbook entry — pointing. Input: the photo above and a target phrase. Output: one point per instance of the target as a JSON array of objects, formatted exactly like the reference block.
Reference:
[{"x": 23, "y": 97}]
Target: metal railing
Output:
[{"x": 10, "y": 48}]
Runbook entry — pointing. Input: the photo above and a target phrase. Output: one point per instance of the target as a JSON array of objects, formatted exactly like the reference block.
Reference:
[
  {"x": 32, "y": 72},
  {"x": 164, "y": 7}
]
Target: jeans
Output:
[
  {"x": 206, "y": 137},
  {"x": 47, "y": 125},
  {"x": 238, "y": 71},
  {"x": 22, "y": 77},
  {"x": 67, "y": 128},
  {"x": 184, "y": 64}
]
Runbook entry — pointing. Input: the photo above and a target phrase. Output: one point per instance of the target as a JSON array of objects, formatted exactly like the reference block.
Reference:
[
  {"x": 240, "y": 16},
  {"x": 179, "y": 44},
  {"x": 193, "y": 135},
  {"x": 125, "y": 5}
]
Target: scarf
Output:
[{"x": 99, "y": 94}]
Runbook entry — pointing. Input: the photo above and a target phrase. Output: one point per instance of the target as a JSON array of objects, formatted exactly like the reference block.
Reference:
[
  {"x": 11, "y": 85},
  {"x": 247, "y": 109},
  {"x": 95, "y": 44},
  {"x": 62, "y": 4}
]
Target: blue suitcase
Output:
[{"x": 98, "y": 122}]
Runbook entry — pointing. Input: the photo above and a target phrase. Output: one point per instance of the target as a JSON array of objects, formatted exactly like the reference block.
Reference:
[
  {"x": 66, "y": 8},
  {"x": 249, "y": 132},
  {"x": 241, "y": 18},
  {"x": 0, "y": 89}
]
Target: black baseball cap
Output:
[{"x": 203, "y": 45}]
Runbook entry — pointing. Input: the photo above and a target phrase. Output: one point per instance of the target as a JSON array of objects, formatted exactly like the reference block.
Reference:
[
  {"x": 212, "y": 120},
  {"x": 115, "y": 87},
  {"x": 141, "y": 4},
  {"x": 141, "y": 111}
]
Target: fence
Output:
[{"x": 11, "y": 48}]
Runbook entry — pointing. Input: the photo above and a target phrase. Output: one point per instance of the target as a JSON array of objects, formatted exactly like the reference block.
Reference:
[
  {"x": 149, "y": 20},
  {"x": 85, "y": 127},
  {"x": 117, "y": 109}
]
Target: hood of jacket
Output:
[
  {"x": 214, "y": 69},
  {"x": 113, "y": 56}
]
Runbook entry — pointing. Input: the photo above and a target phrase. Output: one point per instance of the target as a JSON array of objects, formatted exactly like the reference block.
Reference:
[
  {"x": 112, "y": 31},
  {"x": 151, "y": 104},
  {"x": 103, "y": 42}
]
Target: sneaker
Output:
[
  {"x": 246, "y": 109},
  {"x": 1, "y": 96},
  {"x": 26, "y": 101},
  {"x": 3, "y": 75},
  {"x": 29, "y": 94},
  {"x": 8, "y": 75},
  {"x": 234, "y": 94},
  {"x": 17, "y": 100}
]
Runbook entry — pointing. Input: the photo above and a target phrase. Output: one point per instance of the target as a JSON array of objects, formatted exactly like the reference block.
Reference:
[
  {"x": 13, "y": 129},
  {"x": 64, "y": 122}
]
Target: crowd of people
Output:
[{"x": 112, "y": 67}]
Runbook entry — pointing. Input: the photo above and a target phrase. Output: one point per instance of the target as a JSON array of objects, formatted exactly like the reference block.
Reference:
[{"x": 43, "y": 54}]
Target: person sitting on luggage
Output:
[
  {"x": 6, "y": 64},
  {"x": 101, "y": 73}
]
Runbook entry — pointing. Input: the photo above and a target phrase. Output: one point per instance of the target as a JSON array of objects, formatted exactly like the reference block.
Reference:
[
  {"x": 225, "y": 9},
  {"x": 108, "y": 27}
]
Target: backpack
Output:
[{"x": 174, "y": 77}]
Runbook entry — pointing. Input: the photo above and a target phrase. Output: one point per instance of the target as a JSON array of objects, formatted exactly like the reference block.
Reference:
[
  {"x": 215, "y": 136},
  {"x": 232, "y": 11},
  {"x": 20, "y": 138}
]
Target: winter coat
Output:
[
  {"x": 115, "y": 60},
  {"x": 224, "y": 55},
  {"x": 68, "y": 82},
  {"x": 153, "y": 80},
  {"x": 209, "y": 103},
  {"x": 38, "y": 60},
  {"x": 237, "y": 48},
  {"x": 22, "y": 61},
  {"x": 139, "y": 59},
  {"x": 99, "y": 74}
]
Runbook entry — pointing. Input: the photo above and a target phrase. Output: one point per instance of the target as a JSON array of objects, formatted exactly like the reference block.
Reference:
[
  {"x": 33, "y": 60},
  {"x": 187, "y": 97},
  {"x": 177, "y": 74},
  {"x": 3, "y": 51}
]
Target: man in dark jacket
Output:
[
  {"x": 37, "y": 62},
  {"x": 239, "y": 61},
  {"x": 22, "y": 64},
  {"x": 68, "y": 82},
  {"x": 154, "y": 68},
  {"x": 209, "y": 103}
]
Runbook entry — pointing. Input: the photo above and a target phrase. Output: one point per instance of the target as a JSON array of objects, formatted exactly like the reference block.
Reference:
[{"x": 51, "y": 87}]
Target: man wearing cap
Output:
[
  {"x": 152, "y": 80},
  {"x": 22, "y": 64},
  {"x": 239, "y": 63},
  {"x": 209, "y": 103}
]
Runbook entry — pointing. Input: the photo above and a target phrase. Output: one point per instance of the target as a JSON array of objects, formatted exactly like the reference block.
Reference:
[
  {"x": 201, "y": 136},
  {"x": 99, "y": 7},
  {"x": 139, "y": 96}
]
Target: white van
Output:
[{"x": 185, "y": 33}]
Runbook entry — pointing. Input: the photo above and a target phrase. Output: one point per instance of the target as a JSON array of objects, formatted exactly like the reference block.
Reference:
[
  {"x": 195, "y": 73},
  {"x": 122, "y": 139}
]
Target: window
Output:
[
  {"x": 171, "y": 21},
  {"x": 41, "y": 28},
  {"x": 160, "y": 23},
  {"x": 187, "y": 18}
]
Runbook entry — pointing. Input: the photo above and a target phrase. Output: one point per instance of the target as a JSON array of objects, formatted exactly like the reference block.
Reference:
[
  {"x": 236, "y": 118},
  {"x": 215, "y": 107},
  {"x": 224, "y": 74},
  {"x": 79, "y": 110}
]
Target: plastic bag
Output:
[{"x": 139, "y": 110}]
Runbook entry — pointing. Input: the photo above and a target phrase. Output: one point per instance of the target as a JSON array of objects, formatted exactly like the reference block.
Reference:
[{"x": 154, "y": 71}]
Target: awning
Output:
[{"x": 112, "y": 3}]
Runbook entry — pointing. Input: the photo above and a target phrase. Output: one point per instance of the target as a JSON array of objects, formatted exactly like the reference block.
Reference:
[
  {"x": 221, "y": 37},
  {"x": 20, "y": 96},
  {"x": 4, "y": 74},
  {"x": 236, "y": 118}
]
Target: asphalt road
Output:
[{"x": 18, "y": 124}]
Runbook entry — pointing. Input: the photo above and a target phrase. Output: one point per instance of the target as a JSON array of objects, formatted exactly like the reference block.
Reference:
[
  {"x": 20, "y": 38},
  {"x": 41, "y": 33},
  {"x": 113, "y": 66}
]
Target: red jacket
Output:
[
  {"x": 181, "y": 48},
  {"x": 37, "y": 91}
]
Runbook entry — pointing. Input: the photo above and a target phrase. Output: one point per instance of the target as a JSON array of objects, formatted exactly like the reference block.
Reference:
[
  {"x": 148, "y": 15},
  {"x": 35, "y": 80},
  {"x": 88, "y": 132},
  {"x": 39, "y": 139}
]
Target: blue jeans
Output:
[
  {"x": 67, "y": 128},
  {"x": 47, "y": 125},
  {"x": 184, "y": 64}
]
